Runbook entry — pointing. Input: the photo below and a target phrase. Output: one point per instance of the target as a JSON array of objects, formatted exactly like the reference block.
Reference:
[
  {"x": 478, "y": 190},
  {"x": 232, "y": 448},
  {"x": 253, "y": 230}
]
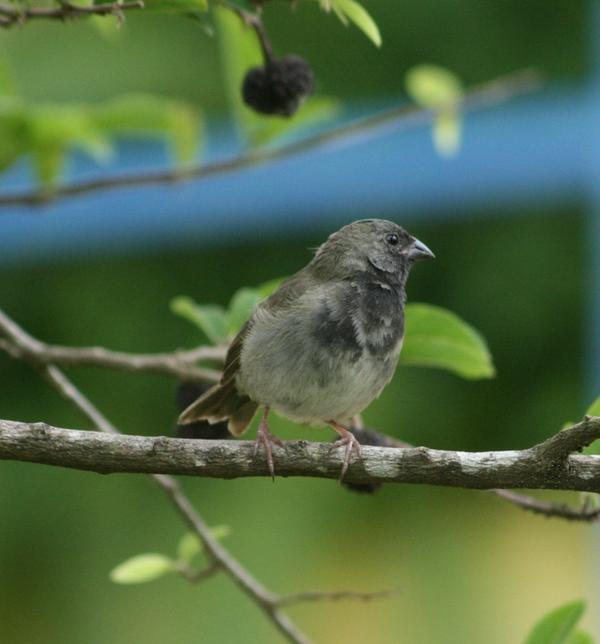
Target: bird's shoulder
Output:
[{"x": 278, "y": 304}]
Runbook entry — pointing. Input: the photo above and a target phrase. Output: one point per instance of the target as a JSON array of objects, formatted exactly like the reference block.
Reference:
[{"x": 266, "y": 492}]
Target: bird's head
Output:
[{"x": 370, "y": 245}]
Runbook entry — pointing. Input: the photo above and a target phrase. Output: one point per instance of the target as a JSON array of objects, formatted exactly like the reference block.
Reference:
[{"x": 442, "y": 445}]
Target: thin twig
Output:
[
  {"x": 179, "y": 364},
  {"x": 194, "y": 576},
  {"x": 481, "y": 96},
  {"x": 317, "y": 595},
  {"x": 18, "y": 15},
  {"x": 254, "y": 21},
  {"x": 548, "y": 508}
]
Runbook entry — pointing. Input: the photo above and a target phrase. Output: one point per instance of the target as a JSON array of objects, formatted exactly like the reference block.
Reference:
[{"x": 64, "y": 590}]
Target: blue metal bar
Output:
[{"x": 533, "y": 149}]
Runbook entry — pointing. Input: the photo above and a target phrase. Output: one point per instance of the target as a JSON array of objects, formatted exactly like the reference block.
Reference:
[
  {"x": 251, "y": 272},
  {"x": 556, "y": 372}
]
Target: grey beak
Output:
[{"x": 418, "y": 250}]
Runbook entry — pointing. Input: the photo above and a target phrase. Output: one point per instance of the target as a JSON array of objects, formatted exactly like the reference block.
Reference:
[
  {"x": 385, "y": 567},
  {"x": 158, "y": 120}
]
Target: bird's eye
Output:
[{"x": 392, "y": 239}]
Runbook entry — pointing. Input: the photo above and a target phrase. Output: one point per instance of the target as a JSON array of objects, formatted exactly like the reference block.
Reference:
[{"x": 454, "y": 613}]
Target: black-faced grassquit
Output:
[{"x": 325, "y": 344}]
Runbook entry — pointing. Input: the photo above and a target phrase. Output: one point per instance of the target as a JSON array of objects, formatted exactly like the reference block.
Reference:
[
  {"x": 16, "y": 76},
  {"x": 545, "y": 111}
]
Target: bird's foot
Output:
[
  {"x": 349, "y": 442},
  {"x": 265, "y": 439}
]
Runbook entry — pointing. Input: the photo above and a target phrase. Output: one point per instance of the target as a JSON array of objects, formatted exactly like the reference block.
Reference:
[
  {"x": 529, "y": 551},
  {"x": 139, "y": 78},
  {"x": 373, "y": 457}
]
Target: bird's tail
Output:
[{"x": 219, "y": 403}]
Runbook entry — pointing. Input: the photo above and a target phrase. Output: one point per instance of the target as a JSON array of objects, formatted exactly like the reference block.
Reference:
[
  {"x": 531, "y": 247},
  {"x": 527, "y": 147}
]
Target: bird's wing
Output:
[
  {"x": 232, "y": 359},
  {"x": 291, "y": 290}
]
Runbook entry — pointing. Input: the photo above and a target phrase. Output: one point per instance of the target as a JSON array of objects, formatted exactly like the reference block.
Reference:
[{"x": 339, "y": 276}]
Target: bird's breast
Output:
[{"x": 328, "y": 357}]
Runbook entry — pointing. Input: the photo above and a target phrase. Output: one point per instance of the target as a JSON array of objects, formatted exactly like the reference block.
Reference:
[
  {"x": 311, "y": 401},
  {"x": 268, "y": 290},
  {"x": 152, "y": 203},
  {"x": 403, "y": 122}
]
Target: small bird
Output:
[{"x": 324, "y": 345}]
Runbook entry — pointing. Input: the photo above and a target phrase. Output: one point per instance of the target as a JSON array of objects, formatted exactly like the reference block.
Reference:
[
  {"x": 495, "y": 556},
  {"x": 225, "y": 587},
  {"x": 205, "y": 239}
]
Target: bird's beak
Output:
[{"x": 417, "y": 250}]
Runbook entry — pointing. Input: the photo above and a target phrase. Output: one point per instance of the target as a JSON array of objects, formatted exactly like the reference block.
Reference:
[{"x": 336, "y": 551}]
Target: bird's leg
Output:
[
  {"x": 266, "y": 439},
  {"x": 349, "y": 441}
]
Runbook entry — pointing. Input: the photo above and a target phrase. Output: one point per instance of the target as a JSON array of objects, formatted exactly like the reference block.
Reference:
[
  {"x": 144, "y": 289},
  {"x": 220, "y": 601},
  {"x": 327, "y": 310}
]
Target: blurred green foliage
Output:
[
  {"x": 150, "y": 566},
  {"x": 64, "y": 531},
  {"x": 474, "y": 570},
  {"x": 558, "y": 626},
  {"x": 48, "y": 132}
]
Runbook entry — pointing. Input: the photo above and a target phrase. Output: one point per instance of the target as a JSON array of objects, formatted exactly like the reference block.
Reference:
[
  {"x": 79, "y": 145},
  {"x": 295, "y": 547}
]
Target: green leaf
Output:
[
  {"x": 144, "y": 115},
  {"x": 220, "y": 531},
  {"x": 580, "y": 637},
  {"x": 188, "y": 547},
  {"x": 438, "y": 338},
  {"x": 351, "y": 11},
  {"x": 357, "y": 14},
  {"x": 245, "y": 300},
  {"x": 267, "y": 288},
  {"x": 556, "y": 627},
  {"x": 186, "y": 129},
  {"x": 49, "y": 162},
  {"x": 66, "y": 125},
  {"x": 53, "y": 129},
  {"x": 241, "y": 306},
  {"x": 447, "y": 127},
  {"x": 142, "y": 568},
  {"x": 594, "y": 408},
  {"x": 209, "y": 318},
  {"x": 13, "y": 131},
  {"x": 434, "y": 87}
]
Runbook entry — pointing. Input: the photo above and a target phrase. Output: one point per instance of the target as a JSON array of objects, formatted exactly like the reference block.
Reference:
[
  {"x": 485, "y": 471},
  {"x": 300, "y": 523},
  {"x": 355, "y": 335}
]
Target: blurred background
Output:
[{"x": 513, "y": 223}]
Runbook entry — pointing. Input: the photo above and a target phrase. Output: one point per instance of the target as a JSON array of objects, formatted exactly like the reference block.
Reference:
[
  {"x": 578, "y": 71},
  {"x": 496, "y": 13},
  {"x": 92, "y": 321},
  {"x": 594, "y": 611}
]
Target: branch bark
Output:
[
  {"x": 481, "y": 96},
  {"x": 105, "y": 454},
  {"x": 20, "y": 14}
]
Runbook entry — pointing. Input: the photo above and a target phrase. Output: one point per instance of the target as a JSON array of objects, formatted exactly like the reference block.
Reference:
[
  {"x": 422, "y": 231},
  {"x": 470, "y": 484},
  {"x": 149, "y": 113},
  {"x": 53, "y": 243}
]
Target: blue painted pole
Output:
[{"x": 592, "y": 233}]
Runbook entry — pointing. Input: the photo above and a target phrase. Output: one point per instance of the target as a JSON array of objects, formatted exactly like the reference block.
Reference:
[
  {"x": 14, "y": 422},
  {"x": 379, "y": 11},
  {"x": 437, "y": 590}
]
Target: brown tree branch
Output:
[
  {"x": 556, "y": 449},
  {"x": 179, "y": 364},
  {"x": 481, "y": 96},
  {"x": 524, "y": 501},
  {"x": 97, "y": 452},
  {"x": 20, "y": 14}
]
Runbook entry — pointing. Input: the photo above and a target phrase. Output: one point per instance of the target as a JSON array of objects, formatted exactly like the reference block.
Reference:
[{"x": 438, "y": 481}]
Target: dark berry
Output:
[
  {"x": 186, "y": 394},
  {"x": 279, "y": 87}
]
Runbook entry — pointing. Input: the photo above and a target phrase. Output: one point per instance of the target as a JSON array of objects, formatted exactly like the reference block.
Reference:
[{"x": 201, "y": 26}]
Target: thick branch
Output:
[
  {"x": 180, "y": 364},
  {"x": 485, "y": 95},
  {"x": 556, "y": 449},
  {"x": 106, "y": 454},
  {"x": 17, "y": 15}
]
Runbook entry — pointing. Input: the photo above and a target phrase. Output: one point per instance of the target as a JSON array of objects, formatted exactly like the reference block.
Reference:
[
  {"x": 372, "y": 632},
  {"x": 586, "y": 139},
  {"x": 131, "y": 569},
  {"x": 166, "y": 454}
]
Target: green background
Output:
[{"x": 473, "y": 569}]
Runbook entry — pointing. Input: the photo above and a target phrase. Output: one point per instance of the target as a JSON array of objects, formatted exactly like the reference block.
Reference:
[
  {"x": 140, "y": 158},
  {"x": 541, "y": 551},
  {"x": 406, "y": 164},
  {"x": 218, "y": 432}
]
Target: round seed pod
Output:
[{"x": 279, "y": 87}]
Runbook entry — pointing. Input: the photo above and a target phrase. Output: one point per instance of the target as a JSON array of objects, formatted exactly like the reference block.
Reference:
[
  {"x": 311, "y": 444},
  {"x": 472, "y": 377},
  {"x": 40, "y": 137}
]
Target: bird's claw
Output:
[
  {"x": 266, "y": 439},
  {"x": 351, "y": 444}
]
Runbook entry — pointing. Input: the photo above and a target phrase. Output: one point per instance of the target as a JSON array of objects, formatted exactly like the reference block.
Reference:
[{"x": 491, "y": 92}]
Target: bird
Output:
[{"x": 325, "y": 344}]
